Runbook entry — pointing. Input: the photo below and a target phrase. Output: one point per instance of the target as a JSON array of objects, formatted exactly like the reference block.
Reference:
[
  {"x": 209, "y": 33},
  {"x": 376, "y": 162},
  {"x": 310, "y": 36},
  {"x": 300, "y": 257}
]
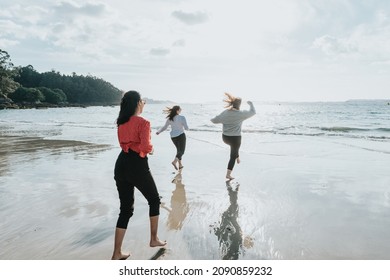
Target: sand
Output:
[{"x": 58, "y": 200}]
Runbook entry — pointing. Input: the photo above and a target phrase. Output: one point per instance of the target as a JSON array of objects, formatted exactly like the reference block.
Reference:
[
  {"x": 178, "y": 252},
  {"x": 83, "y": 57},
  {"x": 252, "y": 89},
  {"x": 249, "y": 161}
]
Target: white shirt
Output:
[{"x": 178, "y": 125}]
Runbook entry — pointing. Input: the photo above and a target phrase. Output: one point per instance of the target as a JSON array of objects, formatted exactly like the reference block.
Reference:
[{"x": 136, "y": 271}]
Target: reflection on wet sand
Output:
[
  {"x": 14, "y": 148},
  {"x": 179, "y": 207},
  {"x": 55, "y": 190},
  {"x": 228, "y": 230}
]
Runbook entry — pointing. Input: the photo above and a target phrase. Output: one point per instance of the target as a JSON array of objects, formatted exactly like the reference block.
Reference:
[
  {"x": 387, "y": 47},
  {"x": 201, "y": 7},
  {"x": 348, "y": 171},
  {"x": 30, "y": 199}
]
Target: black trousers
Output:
[
  {"x": 234, "y": 142},
  {"x": 180, "y": 144},
  {"x": 132, "y": 171}
]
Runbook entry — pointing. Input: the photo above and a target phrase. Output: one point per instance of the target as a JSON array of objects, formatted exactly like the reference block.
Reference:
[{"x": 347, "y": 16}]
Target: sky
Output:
[{"x": 195, "y": 50}]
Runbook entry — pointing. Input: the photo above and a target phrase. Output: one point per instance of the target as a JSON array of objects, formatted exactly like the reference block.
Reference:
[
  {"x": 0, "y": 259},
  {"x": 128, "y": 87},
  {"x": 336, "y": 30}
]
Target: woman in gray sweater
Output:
[{"x": 231, "y": 120}]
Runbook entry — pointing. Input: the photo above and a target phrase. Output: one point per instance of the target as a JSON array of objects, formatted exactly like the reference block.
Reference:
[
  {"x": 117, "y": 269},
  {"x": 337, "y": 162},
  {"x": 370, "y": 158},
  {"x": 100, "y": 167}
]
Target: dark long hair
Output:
[
  {"x": 172, "y": 112},
  {"x": 128, "y": 107},
  {"x": 232, "y": 101}
]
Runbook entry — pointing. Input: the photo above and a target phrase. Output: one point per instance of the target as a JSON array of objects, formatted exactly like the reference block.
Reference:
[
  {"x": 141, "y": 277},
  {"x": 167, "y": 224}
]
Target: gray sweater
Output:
[{"x": 232, "y": 120}]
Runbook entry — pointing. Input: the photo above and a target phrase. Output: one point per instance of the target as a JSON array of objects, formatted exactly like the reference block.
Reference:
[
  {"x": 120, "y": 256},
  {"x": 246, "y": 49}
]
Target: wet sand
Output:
[{"x": 58, "y": 201}]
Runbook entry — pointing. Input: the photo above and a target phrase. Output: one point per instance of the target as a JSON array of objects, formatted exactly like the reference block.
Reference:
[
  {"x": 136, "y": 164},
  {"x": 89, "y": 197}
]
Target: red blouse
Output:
[{"x": 135, "y": 135}]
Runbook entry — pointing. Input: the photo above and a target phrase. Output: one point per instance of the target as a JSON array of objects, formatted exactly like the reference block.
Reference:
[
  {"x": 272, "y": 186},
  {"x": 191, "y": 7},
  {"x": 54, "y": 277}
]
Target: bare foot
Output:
[
  {"x": 174, "y": 165},
  {"x": 157, "y": 243},
  {"x": 229, "y": 177},
  {"x": 120, "y": 257}
]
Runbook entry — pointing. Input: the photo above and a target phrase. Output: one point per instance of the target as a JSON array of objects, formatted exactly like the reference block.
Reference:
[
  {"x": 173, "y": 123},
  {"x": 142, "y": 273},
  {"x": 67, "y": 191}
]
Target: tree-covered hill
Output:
[{"x": 26, "y": 85}]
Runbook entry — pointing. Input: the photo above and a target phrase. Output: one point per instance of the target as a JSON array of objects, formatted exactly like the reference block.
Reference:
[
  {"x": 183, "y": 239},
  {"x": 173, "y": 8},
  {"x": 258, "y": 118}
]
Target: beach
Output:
[{"x": 294, "y": 197}]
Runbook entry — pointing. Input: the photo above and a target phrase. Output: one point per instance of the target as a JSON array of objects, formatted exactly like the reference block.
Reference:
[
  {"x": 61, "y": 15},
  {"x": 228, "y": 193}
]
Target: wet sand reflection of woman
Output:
[
  {"x": 179, "y": 207},
  {"x": 229, "y": 232}
]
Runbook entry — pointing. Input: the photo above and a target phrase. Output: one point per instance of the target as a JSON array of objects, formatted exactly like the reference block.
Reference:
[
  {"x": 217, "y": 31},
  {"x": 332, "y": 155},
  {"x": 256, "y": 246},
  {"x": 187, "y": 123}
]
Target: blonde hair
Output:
[{"x": 232, "y": 101}]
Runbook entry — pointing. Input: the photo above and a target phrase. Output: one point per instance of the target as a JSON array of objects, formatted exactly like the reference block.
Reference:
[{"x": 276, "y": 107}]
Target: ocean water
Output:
[{"x": 362, "y": 123}]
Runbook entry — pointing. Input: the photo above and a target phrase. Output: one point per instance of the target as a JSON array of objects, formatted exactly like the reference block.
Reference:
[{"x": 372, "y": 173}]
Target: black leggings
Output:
[
  {"x": 234, "y": 142},
  {"x": 180, "y": 144},
  {"x": 133, "y": 171}
]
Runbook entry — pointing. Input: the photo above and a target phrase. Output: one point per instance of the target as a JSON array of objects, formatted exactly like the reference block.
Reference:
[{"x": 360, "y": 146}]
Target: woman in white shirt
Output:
[{"x": 178, "y": 124}]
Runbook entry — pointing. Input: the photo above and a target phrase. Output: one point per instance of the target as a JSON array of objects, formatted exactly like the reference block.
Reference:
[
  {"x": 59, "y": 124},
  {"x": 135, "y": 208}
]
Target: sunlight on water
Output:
[{"x": 368, "y": 122}]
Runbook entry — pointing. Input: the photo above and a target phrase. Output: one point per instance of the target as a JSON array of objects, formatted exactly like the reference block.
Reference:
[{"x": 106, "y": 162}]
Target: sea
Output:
[{"x": 364, "y": 123}]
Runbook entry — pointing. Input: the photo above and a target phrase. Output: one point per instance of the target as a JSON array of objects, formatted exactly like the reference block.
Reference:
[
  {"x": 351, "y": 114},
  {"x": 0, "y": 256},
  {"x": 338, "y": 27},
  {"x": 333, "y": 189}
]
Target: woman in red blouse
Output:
[{"x": 132, "y": 170}]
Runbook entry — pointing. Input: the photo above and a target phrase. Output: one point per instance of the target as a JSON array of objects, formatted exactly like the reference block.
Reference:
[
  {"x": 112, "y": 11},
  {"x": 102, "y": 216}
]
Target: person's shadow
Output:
[
  {"x": 179, "y": 206},
  {"x": 228, "y": 231}
]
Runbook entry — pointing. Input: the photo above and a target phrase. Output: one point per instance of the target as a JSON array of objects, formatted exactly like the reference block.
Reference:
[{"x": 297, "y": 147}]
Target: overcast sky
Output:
[{"x": 195, "y": 50}]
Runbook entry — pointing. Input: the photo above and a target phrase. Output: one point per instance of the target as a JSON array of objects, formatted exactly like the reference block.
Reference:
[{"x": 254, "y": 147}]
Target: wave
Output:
[
  {"x": 212, "y": 129},
  {"x": 205, "y": 130},
  {"x": 85, "y": 125},
  {"x": 383, "y": 129},
  {"x": 374, "y": 134},
  {"x": 342, "y": 129}
]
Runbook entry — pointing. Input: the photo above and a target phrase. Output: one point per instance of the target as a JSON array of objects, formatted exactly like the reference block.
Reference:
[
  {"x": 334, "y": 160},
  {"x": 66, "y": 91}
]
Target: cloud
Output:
[
  {"x": 368, "y": 42},
  {"x": 179, "y": 43},
  {"x": 159, "y": 51},
  {"x": 89, "y": 9},
  {"x": 6, "y": 43},
  {"x": 191, "y": 18},
  {"x": 333, "y": 46},
  {"x": 381, "y": 63}
]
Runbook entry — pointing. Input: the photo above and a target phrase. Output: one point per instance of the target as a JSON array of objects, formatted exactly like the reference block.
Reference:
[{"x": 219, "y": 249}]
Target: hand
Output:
[{"x": 157, "y": 133}]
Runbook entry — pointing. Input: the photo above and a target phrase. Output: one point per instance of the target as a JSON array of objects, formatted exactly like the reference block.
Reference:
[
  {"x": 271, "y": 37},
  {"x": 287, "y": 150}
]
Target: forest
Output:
[{"x": 24, "y": 87}]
